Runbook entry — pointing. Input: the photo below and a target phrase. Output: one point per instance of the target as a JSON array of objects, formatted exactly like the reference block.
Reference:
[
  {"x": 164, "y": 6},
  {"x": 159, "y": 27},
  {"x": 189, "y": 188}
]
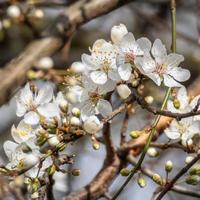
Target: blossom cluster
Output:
[{"x": 112, "y": 67}]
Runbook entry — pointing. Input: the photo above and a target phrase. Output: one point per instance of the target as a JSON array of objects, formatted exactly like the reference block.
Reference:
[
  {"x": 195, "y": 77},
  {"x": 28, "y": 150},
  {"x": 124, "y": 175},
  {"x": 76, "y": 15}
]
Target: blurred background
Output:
[{"x": 150, "y": 18}]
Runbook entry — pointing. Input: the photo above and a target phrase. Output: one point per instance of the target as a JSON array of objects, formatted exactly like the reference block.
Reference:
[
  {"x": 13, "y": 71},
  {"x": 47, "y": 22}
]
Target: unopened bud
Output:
[
  {"x": 76, "y": 112},
  {"x": 53, "y": 141},
  {"x": 13, "y": 11},
  {"x": 135, "y": 134},
  {"x": 168, "y": 166},
  {"x": 78, "y": 67},
  {"x": 75, "y": 121},
  {"x": 63, "y": 106},
  {"x": 192, "y": 180},
  {"x": 96, "y": 146},
  {"x": 35, "y": 195},
  {"x": 135, "y": 82},
  {"x": 189, "y": 159},
  {"x": 141, "y": 182},
  {"x": 45, "y": 63},
  {"x": 158, "y": 179},
  {"x": 176, "y": 103},
  {"x": 152, "y": 152},
  {"x": 125, "y": 172},
  {"x": 38, "y": 13},
  {"x": 123, "y": 91},
  {"x": 149, "y": 99},
  {"x": 195, "y": 170},
  {"x": 76, "y": 172}
]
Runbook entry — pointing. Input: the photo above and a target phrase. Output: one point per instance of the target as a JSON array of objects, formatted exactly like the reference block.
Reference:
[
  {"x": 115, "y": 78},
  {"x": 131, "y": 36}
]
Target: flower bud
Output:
[
  {"x": 118, "y": 32},
  {"x": 152, "y": 152},
  {"x": 28, "y": 162},
  {"x": 13, "y": 11},
  {"x": 157, "y": 179},
  {"x": 63, "y": 106},
  {"x": 192, "y": 180},
  {"x": 76, "y": 112},
  {"x": 6, "y": 23},
  {"x": 195, "y": 170},
  {"x": 149, "y": 99},
  {"x": 38, "y": 13},
  {"x": 75, "y": 121},
  {"x": 176, "y": 103},
  {"x": 51, "y": 170},
  {"x": 141, "y": 182},
  {"x": 96, "y": 146},
  {"x": 125, "y": 172},
  {"x": 92, "y": 125},
  {"x": 61, "y": 146},
  {"x": 135, "y": 134},
  {"x": 42, "y": 137},
  {"x": 76, "y": 172},
  {"x": 35, "y": 195},
  {"x": 45, "y": 63},
  {"x": 53, "y": 141},
  {"x": 135, "y": 82},
  {"x": 189, "y": 159},
  {"x": 77, "y": 67},
  {"x": 123, "y": 91},
  {"x": 168, "y": 166}
]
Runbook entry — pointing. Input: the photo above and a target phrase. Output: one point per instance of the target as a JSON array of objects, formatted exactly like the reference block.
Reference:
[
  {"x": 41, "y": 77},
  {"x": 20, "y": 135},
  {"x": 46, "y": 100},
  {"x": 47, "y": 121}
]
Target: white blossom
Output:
[
  {"x": 92, "y": 125},
  {"x": 129, "y": 50},
  {"x": 31, "y": 104},
  {"x": 123, "y": 91},
  {"x": 102, "y": 64},
  {"x": 184, "y": 129},
  {"x": 162, "y": 67}
]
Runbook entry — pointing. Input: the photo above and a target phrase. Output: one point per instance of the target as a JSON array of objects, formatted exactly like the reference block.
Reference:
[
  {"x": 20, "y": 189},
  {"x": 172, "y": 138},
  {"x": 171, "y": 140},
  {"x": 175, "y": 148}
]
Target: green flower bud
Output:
[
  {"x": 195, "y": 170},
  {"x": 135, "y": 134},
  {"x": 176, "y": 103},
  {"x": 141, "y": 182},
  {"x": 168, "y": 166},
  {"x": 76, "y": 172},
  {"x": 157, "y": 179},
  {"x": 125, "y": 172},
  {"x": 96, "y": 146},
  {"x": 61, "y": 147},
  {"x": 192, "y": 180},
  {"x": 35, "y": 184}
]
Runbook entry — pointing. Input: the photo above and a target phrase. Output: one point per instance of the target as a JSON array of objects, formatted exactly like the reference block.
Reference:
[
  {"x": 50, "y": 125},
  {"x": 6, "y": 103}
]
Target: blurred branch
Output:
[{"x": 14, "y": 73}]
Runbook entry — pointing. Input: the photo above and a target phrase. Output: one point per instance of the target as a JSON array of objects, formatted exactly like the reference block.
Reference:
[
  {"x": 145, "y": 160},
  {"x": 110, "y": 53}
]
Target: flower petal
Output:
[
  {"x": 145, "y": 44},
  {"x": 45, "y": 95},
  {"x": 179, "y": 74},
  {"x": 113, "y": 75},
  {"x": 98, "y": 77},
  {"x": 21, "y": 109},
  {"x": 170, "y": 82},
  {"x": 125, "y": 71},
  {"x": 31, "y": 118},
  {"x": 87, "y": 110},
  {"x": 104, "y": 107},
  {"x": 49, "y": 110},
  {"x": 173, "y": 60},
  {"x": 89, "y": 62}
]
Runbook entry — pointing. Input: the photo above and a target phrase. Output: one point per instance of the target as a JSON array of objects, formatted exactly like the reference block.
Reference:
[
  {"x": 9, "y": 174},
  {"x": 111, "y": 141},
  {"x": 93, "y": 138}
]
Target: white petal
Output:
[
  {"x": 89, "y": 62},
  {"x": 170, "y": 82},
  {"x": 26, "y": 95},
  {"x": 173, "y": 60},
  {"x": 127, "y": 41},
  {"x": 179, "y": 74},
  {"x": 21, "y": 109},
  {"x": 113, "y": 75},
  {"x": 104, "y": 107},
  {"x": 107, "y": 87},
  {"x": 87, "y": 110},
  {"x": 31, "y": 118},
  {"x": 145, "y": 44},
  {"x": 98, "y": 77},
  {"x": 49, "y": 110},
  {"x": 117, "y": 33},
  {"x": 172, "y": 134},
  {"x": 158, "y": 51},
  {"x": 45, "y": 95},
  {"x": 125, "y": 71},
  {"x": 182, "y": 97},
  {"x": 155, "y": 77},
  {"x": 9, "y": 147},
  {"x": 170, "y": 106}
]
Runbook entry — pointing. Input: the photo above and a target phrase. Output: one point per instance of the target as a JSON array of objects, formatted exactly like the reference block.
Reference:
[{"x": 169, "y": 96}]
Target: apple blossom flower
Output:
[
  {"x": 19, "y": 160},
  {"x": 31, "y": 104},
  {"x": 128, "y": 50},
  {"x": 163, "y": 67},
  {"x": 184, "y": 129},
  {"x": 102, "y": 64},
  {"x": 91, "y": 98}
]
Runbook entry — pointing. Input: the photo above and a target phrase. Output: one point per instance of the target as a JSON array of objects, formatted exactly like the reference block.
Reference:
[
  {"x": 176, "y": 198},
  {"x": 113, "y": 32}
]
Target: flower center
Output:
[
  {"x": 94, "y": 97},
  {"x": 129, "y": 57},
  {"x": 160, "y": 69},
  {"x": 105, "y": 66}
]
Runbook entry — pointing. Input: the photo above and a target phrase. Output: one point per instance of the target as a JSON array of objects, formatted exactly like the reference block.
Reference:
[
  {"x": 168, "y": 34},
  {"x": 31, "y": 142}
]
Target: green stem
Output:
[{"x": 157, "y": 119}]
